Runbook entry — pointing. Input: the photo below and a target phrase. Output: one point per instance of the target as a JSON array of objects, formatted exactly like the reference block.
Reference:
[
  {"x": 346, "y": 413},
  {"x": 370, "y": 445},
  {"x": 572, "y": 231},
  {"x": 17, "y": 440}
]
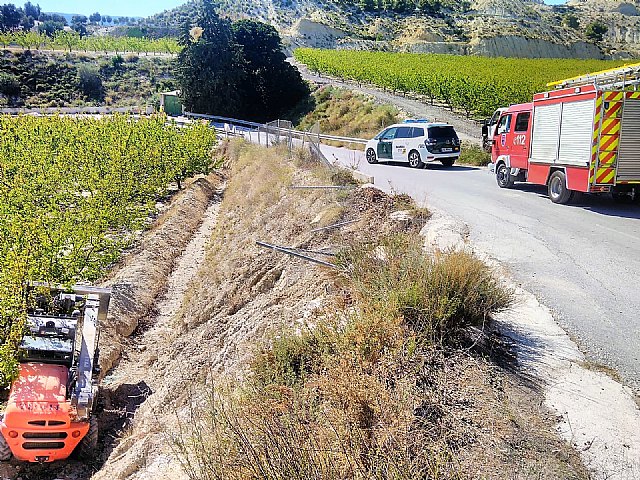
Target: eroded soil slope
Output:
[{"x": 199, "y": 299}]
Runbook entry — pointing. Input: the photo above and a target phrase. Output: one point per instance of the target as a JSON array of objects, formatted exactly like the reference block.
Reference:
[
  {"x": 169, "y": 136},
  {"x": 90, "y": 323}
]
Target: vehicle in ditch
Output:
[
  {"x": 417, "y": 142},
  {"x": 50, "y": 411},
  {"x": 584, "y": 136}
]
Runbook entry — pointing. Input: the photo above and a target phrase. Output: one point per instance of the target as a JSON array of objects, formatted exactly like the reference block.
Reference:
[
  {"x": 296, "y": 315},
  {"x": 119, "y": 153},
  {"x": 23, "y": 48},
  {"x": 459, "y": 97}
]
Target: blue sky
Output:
[{"x": 125, "y": 8}]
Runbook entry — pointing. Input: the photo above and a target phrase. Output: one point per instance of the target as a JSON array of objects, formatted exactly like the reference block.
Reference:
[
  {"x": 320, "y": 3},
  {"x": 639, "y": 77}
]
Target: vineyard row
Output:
[
  {"x": 74, "y": 193},
  {"x": 69, "y": 41},
  {"x": 475, "y": 85}
]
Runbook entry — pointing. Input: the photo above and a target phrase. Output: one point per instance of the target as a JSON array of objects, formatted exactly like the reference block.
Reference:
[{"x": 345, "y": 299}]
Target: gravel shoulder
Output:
[{"x": 596, "y": 414}]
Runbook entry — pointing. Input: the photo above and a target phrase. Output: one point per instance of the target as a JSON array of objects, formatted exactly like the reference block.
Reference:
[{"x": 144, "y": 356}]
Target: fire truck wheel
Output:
[
  {"x": 558, "y": 191},
  {"x": 371, "y": 156},
  {"x": 87, "y": 448},
  {"x": 504, "y": 177},
  {"x": 414, "y": 159},
  {"x": 5, "y": 450}
]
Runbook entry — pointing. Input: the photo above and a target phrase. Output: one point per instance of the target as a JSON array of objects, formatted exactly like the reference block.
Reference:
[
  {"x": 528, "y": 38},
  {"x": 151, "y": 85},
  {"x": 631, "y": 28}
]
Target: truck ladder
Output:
[{"x": 619, "y": 78}]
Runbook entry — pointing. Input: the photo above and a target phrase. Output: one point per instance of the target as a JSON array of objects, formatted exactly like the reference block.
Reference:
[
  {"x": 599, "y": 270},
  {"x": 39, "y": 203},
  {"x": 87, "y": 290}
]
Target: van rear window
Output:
[{"x": 442, "y": 133}]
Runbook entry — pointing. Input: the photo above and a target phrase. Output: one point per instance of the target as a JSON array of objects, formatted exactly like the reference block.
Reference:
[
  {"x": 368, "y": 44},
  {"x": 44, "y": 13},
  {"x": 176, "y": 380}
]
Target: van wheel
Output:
[
  {"x": 504, "y": 177},
  {"x": 557, "y": 188},
  {"x": 371, "y": 156},
  {"x": 414, "y": 159}
]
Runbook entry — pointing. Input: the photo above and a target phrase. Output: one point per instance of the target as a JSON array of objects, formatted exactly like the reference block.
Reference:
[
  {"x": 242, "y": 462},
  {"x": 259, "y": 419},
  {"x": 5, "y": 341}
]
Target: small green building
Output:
[{"x": 171, "y": 104}]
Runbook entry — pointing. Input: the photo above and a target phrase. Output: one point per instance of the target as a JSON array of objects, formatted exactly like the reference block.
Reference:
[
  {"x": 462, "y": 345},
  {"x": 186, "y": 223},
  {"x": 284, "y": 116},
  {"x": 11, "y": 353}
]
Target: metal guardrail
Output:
[{"x": 296, "y": 133}]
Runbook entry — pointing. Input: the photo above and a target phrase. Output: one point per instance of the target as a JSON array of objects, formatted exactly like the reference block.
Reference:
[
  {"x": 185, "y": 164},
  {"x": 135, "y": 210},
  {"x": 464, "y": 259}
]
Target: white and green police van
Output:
[{"x": 417, "y": 142}]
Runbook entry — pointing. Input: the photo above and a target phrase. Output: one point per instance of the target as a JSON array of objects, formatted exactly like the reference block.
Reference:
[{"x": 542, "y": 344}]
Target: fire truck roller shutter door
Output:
[
  {"x": 546, "y": 133},
  {"x": 629, "y": 150},
  {"x": 576, "y": 133}
]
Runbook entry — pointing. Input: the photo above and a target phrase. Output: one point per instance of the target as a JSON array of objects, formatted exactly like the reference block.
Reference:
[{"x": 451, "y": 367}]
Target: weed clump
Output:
[
  {"x": 365, "y": 394},
  {"x": 437, "y": 297},
  {"x": 474, "y": 155}
]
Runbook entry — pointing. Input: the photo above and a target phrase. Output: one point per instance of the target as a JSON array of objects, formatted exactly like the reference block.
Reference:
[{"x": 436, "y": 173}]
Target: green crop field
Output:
[
  {"x": 475, "y": 85},
  {"x": 73, "y": 194},
  {"x": 72, "y": 41}
]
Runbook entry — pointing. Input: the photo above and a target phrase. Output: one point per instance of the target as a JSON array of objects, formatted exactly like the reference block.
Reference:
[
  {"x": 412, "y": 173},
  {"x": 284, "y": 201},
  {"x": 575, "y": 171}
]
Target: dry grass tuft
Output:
[{"x": 436, "y": 297}]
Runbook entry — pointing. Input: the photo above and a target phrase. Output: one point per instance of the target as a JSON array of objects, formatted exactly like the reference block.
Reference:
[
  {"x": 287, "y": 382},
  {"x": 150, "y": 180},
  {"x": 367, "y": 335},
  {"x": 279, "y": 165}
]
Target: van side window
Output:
[
  {"x": 403, "y": 132},
  {"x": 504, "y": 126},
  {"x": 390, "y": 134},
  {"x": 522, "y": 122},
  {"x": 417, "y": 132}
]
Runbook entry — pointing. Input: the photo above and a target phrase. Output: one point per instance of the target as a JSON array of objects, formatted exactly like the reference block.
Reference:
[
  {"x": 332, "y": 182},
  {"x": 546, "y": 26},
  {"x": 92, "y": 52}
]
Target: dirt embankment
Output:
[
  {"x": 243, "y": 295},
  {"x": 239, "y": 297},
  {"x": 143, "y": 274},
  {"x": 199, "y": 298}
]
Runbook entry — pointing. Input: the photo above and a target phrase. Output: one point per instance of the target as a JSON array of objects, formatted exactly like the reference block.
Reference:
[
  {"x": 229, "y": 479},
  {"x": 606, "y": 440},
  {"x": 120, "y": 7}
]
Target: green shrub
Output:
[
  {"x": 90, "y": 82},
  {"x": 437, "y": 297},
  {"x": 474, "y": 155},
  {"x": 9, "y": 84},
  {"x": 292, "y": 358},
  {"x": 117, "y": 61}
]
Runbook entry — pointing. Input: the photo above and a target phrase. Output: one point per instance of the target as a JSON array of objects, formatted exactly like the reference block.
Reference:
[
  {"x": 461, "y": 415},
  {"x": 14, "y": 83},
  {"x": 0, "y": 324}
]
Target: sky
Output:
[{"x": 123, "y": 8}]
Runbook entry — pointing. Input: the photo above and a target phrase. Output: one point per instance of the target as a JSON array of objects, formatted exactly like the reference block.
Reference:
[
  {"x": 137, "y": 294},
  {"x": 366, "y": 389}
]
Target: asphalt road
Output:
[{"x": 580, "y": 260}]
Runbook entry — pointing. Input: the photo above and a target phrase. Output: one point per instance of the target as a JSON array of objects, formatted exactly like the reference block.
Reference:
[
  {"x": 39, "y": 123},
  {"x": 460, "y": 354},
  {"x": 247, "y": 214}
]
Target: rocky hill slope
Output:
[{"x": 512, "y": 28}]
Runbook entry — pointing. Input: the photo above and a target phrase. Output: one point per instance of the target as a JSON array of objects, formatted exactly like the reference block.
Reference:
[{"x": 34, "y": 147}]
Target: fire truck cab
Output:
[{"x": 584, "y": 136}]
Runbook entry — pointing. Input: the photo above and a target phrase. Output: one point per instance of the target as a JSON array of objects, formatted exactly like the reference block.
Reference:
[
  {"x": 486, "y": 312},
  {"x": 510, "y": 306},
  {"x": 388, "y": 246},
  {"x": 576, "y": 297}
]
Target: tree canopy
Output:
[
  {"x": 235, "y": 69},
  {"x": 12, "y": 17}
]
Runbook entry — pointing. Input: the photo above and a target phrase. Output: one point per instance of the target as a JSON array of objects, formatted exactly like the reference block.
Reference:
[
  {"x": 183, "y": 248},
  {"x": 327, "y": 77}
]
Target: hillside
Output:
[
  {"x": 54, "y": 79},
  {"x": 486, "y": 27}
]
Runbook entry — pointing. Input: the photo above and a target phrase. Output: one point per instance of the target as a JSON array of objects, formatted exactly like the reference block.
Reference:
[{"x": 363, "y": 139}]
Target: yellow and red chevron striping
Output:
[
  {"x": 611, "y": 126},
  {"x": 613, "y": 110},
  {"x": 613, "y": 96},
  {"x": 633, "y": 95},
  {"x": 609, "y": 143},
  {"x": 605, "y": 175},
  {"x": 596, "y": 135},
  {"x": 608, "y": 159}
]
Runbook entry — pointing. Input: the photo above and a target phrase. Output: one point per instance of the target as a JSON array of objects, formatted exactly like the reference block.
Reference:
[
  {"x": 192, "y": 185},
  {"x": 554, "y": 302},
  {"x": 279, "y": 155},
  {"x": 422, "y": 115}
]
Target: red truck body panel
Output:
[{"x": 37, "y": 422}]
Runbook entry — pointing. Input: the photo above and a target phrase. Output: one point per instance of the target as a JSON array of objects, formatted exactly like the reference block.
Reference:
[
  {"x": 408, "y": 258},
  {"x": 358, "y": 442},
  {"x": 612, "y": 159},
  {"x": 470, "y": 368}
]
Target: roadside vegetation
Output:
[
  {"x": 386, "y": 377},
  {"x": 38, "y": 79},
  {"x": 343, "y": 113},
  {"x": 74, "y": 193},
  {"x": 473, "y": 155}
]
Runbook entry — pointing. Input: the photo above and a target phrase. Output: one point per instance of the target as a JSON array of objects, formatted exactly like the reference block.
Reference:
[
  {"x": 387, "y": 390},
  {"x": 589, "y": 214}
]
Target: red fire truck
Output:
[{"x": 583, "y": 136}]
